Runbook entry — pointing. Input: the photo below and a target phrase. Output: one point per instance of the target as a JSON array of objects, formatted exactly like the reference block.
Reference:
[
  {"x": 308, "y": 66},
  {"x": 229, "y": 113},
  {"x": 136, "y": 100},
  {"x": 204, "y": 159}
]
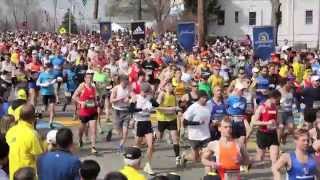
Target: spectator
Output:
[
  {"x": 52, "y": 140},
  {"x": 25, "y": 173},
  {"x": 4, "y": 151},
  {"x": 24, "y": 142},
  {"x": 132, "y": 161},
  {"x": 60, "y": 164},
  {"x": 89, "y": 170},
  {"x": 115, "y": 176},
  {"x": 17, "y": 104},
  {"x": 6, "y": 122}
]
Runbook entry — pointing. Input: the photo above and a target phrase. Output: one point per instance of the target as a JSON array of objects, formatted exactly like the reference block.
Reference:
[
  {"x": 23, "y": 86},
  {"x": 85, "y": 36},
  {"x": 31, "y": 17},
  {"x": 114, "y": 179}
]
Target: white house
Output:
[{"x": 300, "y": 22}]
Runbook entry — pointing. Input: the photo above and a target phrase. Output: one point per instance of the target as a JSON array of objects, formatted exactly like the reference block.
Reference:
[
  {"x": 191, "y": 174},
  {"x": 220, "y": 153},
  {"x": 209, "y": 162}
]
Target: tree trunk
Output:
[
  {"x": 275, "y": 18},
  {"x": 201, "y": 22}
]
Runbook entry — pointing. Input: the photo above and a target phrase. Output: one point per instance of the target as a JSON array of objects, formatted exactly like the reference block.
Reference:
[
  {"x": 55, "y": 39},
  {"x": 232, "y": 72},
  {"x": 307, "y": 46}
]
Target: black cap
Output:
[
  {"x": 132, "y": 153},
  {"x": 211, "y": 177},
  {"x": 173, "y": 176}
]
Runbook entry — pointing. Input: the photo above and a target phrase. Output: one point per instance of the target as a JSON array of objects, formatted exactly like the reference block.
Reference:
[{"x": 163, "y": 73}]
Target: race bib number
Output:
[
  {"x": 316, "y": 104},
  {"x": 232, "y": 175},
  {"x": 90, "y": 104}
]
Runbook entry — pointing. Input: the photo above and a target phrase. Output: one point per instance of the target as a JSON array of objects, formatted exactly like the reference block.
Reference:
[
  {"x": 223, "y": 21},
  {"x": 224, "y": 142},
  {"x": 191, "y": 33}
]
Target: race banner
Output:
[
  {"x": 138, "y": 30},
  {"x": 186, "y": 35},
  {"x": 105, "y": 30},
  {"x": 263, "y": 41}
]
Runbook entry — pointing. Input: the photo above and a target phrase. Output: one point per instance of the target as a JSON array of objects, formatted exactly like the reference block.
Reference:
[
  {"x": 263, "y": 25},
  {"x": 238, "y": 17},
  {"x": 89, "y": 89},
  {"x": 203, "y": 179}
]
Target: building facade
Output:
[{"x": 300, "y": 20}]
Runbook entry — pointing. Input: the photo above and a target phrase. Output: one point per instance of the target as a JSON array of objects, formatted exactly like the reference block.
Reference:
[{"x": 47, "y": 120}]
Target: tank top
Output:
[
  {"x": 144, "y": 104},
  {"x": 136, "y": 87},
  {"x": 268, "y": 114},
  {"x": 228, "y": 158},
  {"x": 169, "y": 100},
  {"x": 179, "y": 89},
  {"x": 262, "y": 83},
  {"x": 87, "y": 94},
  {"x": 286, "y": 101},
  {"x": 35, "y": 67},
  {"x": 121, "y": 92},
  {"x": 218, "y": 111},
  {"x": 306, "y": 171}
]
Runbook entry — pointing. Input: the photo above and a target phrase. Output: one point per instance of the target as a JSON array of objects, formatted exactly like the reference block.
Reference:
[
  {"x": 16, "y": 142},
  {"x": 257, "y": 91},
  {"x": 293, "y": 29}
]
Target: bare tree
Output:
[
  {"x": 161, "y": 10},
  {"x": 276, "y": 17}
]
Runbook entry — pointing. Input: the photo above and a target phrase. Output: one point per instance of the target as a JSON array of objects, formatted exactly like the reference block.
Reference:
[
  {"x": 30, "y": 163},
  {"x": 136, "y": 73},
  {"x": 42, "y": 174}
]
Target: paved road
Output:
[{"x": 163, "y": 160}]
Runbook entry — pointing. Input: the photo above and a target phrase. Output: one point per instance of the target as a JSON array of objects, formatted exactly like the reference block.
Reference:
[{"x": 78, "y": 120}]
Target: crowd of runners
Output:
[{"x": 214, "y": 100}]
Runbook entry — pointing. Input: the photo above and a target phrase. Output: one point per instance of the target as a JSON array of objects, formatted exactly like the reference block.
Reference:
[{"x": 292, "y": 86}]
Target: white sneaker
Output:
[
  {"x": 147, "y": 168},
  {"x": 178, "y": 161}
]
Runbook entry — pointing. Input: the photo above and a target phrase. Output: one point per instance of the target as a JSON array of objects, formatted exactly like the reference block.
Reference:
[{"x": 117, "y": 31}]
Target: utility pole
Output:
[
  {"x": 200, "y": 15},
  {"x": 55, "y": 2},
  {"x": 96, "y": 9},
  {"x": 139, "y": 10},
  {"x": 69, "y": 12}
]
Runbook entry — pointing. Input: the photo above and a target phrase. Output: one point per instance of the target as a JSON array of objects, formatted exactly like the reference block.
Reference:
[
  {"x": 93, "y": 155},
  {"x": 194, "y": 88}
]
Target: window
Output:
[
  {"x": 221, "y": 17},
  {"x": 309, "y": 17},
  {"x": 252, "y": 18},
  {"x": 236, "y": 17}
]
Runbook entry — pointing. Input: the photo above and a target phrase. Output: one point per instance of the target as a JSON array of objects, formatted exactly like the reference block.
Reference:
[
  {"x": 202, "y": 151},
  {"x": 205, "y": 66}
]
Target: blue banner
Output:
[
  {"x": 186, "y": 35},
  {"x": 263, "y": 41},
  {"x": 105, "y": 30}
]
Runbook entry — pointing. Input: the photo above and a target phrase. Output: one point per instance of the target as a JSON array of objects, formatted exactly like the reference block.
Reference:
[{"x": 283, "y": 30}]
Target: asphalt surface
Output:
[{"x": 163, "y": 159}]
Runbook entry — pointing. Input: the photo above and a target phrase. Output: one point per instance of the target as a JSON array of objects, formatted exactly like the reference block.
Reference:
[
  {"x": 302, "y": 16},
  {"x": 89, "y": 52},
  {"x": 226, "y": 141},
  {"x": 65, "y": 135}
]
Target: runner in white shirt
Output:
[
  {"x": 142, "y": 111},
  {"x": 197, "y": 119}
]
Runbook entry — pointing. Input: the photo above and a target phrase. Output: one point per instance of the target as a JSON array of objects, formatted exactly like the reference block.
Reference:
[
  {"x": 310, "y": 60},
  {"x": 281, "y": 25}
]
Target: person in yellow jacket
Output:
[
  {"x": 298, "y": 69},
  {"x": 17, "y": 104},
  {"x": 132, "y": 161}
]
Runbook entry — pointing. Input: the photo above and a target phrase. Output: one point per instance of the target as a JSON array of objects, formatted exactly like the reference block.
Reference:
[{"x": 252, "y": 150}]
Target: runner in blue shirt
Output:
[
  {"x": 236, "y": 109},
  {"x": 70, "y": 79},
  {"x": 57, "y": 61},
  {"x": 46, "y": 81}
]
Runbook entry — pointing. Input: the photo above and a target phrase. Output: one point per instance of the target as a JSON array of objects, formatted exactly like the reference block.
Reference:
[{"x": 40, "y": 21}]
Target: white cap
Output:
[
  {"x": 51, "y": 136},
  {"x": 255, "y": 70},
  {"x": 315, "y": 78}
]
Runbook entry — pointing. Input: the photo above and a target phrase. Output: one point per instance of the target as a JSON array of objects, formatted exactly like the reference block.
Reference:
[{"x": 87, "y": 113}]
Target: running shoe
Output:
[
  {"x": 94, "y": 150},
  {"x": 109, "y": 136},
  {"x": 183, "y": 160},
  {"x": 178, "y": 161},
  {"x": 80, "y": 143},
  {"x": 51, "y": 125},
  {"x": 121, "y": 148},
  {"x": 147, "y": 168}
]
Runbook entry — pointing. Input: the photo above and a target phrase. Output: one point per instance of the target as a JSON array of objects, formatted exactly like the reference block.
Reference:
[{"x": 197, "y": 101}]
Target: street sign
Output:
[{"x": 62, "y": 30}]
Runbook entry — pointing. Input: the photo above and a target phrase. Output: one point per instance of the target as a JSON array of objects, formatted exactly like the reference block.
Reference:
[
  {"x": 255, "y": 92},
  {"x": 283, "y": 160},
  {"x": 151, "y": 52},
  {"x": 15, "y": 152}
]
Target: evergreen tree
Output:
[{"x": 65, "y": 23}]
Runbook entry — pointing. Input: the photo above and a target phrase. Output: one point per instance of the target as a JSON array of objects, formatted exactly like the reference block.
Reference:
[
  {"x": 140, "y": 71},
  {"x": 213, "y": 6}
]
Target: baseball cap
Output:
[
  {"x": 132, "y": 153},
  {"x": 255, "y": 70},
  {"x": 51, "y": 136},
  {"x": 315, "y": 78},
  {"x": 21, "y": 94}
]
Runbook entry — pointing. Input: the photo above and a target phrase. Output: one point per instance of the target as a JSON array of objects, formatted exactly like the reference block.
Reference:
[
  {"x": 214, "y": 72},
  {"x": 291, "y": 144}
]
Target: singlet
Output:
[
  {"x": 179, "y": 88},
  {"x": 236, "y": 105},
  {"x": 262, "y": 83},
  {"x": 286, "y": 101},
  {"x": 35, "y": 67},
  {"x": 121, "y": 92},
  {"x": 144, "y": 104},
  {"x": 267, "y": 114},
  {"x": 227, "y": 158},
  {"x": 136, "y": 87},
  {"x": 87, "y": 94},
  {"x": 218, "y": 111},
  {"x": 169, "y": 100},
  {"x": 305, "y": 171}
]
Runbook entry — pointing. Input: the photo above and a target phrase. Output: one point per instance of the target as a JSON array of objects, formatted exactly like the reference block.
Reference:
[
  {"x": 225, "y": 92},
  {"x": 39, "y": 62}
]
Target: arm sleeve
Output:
[{"x": 190, "y": 123}]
